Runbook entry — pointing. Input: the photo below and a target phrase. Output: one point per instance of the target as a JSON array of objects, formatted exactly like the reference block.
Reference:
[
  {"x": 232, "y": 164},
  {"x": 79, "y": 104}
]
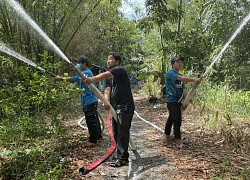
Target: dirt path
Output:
[
  {"x": 150, "y": 163},
  {"x": 205, "y": 157}
]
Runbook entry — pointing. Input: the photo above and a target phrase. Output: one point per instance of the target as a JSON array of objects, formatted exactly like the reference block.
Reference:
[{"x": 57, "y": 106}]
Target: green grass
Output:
[{"x": 223, "y": 99}]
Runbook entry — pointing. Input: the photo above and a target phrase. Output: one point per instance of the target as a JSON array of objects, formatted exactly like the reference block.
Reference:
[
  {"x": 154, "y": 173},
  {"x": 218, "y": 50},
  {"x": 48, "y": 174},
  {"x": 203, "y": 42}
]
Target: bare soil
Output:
[{"x": 206, "y": 156}]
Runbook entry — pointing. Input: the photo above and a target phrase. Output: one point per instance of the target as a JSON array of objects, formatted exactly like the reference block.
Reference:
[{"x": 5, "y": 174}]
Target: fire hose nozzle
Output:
[{"x": 82, "y": 170}]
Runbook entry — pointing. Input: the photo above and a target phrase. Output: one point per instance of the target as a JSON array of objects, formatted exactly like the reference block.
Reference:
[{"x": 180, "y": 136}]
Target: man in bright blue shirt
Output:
[
  {"x": 175, "y": 93},
  {"x": 88, "y": 100}
]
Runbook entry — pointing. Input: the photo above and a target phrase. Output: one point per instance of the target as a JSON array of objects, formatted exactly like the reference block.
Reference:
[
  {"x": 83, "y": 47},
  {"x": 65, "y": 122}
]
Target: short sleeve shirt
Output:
[
  {"x": 174, "y": 88},
  {"x": 120, "y": 88},
  {"x": 87, "y": 96}
]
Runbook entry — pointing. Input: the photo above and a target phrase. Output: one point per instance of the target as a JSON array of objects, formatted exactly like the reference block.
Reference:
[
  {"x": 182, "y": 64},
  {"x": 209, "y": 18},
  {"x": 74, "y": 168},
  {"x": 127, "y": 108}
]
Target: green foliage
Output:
[
  {"x": 31, "y": 113},
  {"x": 33, "y": 163},
  {"x": 151, "y": 77},
  {"x": 162, "y": 11},
  {"x": 25, "y": 103},
  {"x": 223, "y": 99},
  {"x": 151, "y": 88}
]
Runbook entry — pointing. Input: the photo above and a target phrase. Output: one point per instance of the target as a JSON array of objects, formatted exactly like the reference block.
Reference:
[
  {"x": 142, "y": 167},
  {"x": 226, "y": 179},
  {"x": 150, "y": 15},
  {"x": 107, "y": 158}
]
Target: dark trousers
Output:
[
  {"x": 121, "y": 130},
  {"x": 174, "y": 119},
  {"x": 92, "y": 121}
]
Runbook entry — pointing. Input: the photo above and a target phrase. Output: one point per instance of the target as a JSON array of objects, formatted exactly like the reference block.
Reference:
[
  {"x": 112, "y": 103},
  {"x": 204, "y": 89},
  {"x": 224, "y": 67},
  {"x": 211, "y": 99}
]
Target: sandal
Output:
[
  {"x": 180, "y": 144},
  {"x": 168, "y": 139},
  {"x": 118, "y": 163}
]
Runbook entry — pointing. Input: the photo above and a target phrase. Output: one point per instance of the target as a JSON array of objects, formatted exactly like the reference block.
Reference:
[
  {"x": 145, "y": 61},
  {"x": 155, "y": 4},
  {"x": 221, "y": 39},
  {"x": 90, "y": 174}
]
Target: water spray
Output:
[
  {"x": 21, "y": 12},
  {"x": 12, "y": 53},
  {"x": 217, "y": 58}
]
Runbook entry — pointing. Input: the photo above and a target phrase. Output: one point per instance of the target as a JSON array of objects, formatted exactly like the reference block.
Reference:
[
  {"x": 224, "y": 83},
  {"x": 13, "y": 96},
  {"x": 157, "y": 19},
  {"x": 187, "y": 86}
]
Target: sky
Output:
[
  {"x": 127, "y": 7},
  {"x": 128, "y": 11}
]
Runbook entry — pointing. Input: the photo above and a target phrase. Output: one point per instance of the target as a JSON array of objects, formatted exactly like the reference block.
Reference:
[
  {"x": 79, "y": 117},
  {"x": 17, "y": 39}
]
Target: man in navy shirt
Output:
[
  {"x": 176, "y": 93},
  {"x": 88, "y": 100},
  {"x": 118, "y": 92}
]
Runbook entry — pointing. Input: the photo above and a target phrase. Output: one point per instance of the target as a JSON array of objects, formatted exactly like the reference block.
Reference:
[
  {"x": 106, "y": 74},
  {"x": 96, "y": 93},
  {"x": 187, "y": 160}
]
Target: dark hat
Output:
[
  {"x": 173, "y": 59},
  {"x": 82, "y": 59}
]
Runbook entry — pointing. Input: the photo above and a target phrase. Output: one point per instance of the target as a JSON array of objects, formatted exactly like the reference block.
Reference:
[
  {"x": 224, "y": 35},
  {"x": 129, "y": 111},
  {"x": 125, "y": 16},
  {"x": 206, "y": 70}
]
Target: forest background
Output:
[{"x": 31, "y": 103}]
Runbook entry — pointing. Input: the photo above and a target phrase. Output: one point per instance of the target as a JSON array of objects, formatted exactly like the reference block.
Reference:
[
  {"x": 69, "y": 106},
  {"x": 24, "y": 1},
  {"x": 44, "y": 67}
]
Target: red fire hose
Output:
[{"x": 93, "y": 165}]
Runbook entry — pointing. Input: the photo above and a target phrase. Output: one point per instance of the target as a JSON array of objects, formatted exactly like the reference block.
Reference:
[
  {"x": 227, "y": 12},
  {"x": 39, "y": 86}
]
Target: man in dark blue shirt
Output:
[
  {"x": 176, "y": 93},
  {"x": 118, "y": 92}
]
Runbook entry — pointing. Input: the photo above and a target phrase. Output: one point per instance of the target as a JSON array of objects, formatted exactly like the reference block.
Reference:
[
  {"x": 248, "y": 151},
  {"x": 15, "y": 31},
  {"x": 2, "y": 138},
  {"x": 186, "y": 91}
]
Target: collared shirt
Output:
[
  {"x": 174, "y": 88},
  {"x": 87, "y": 96}
]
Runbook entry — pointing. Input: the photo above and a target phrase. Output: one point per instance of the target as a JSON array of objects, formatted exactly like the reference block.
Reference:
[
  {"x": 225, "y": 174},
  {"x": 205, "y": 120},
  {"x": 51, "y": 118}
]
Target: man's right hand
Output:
[
  {"x": 106, "y": 106},
  {"x": 88, "y": 81},
  {"x": 184, "y": 107},
  {"x": 197, "y": 81}
]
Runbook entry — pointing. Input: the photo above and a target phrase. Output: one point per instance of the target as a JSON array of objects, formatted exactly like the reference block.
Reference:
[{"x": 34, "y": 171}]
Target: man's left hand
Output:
[{"x": 184, "y": 107}]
